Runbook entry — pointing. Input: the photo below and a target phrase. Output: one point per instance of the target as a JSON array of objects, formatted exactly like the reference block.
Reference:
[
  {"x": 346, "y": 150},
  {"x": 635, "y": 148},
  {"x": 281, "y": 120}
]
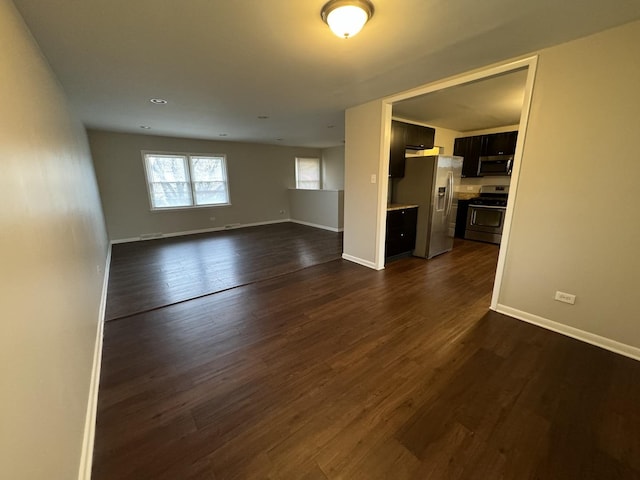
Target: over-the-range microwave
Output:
[{"x": 495, "y": 165}]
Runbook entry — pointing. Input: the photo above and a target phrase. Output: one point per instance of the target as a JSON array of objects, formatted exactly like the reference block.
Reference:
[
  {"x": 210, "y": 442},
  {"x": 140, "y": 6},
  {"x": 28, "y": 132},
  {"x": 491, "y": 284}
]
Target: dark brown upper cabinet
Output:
[
  {"x": 419, "y": 137},
  {"x": 407, "y": 136},
  {"x": 398, "y": 146},
  {"x": 472, "y": 148},
  {"x": 500, "y": 144}
]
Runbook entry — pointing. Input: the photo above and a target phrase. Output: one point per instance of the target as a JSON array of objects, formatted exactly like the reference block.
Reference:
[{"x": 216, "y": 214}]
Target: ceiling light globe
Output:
[
  {"x": 347, "y": 17},
  {"x": 347, "y": 21}
]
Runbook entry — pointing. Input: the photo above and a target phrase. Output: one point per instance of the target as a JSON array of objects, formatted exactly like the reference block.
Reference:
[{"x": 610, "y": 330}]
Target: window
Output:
[
  {"x": 308, "y": 173},
  {"x": 177, "y": 180}
]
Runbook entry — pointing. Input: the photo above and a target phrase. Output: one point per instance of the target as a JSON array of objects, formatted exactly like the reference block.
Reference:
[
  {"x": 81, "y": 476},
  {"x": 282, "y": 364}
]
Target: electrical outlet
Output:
[
  {"x": 374, "y": 178},
  {"x": 281, "y": 212},
  {"x": 565, "y": 297},
  {"x": 213, "y": 219}
]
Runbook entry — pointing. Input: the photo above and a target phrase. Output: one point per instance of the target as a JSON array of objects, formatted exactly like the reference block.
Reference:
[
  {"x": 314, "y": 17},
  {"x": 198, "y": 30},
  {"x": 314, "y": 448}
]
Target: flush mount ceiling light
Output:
[
  {"x": 346, "y": 17},
  {"x": 159, "y": 101}
]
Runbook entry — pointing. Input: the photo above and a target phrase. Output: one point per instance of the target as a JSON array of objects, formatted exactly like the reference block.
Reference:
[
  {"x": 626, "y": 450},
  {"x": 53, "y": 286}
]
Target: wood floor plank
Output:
[
  {"x": 340, "y": 372},
  {"x": 155, "y": 273}
]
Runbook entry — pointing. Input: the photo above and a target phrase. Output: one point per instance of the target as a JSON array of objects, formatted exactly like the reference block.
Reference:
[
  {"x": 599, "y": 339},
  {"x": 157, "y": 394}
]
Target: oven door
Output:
[{"x": 485, "y": 223}]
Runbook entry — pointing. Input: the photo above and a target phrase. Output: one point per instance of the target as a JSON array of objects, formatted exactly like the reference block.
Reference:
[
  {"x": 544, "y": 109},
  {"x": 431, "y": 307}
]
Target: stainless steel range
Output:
[{"x": 486, "y": 214}]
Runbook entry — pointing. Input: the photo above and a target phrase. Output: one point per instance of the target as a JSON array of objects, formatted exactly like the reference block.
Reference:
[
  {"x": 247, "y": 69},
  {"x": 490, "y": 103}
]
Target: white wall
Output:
[
  {"x": 259, "y": 179},
  {"x": 53, "y": 249},
  {"x": 318, "y": 208},
  {"x": 575, "y": 225},
  {"x": 333, "y": 168}
]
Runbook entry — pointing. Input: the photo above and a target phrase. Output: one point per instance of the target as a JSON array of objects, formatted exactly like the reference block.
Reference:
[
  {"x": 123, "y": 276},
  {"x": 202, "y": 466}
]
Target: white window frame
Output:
[
  {"x": 319, "y": 162},
  {"x": 188, "y": 164}
]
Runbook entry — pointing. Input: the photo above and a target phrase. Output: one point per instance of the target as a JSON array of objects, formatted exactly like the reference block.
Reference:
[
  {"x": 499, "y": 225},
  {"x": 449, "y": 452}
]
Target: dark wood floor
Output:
[
  {"x": 155, "y": 273},
  {"x": 340, "y": 372}
]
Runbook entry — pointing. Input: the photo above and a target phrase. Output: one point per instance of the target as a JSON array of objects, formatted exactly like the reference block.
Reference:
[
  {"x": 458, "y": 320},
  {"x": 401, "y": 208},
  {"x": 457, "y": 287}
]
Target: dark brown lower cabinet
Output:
[
  {"x": 401, "y": 231},
  {"x": 461, "y": 218}
]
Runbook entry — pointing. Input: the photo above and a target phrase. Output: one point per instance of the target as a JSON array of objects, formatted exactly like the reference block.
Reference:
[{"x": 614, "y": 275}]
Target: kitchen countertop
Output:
[
  {"x": 467, "y": 195},
  {"x": 399, "y": 206}
]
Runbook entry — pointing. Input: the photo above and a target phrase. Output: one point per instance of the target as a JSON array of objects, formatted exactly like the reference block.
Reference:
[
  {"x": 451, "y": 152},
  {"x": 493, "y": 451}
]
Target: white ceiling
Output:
[
  {"x": 487, "y": 103},
  {"x": 221, "y": 64}
]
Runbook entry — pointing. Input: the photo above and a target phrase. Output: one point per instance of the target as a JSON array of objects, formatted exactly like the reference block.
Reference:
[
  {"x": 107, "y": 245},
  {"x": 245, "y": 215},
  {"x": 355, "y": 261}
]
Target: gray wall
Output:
[
  {"x": 576, "y": 227},
  {"x": 321, "y": 208},
  {"x": 53, "y": 248},
  {"x": 259, "y": 179},
  {"x": 333, "y": 168},
  {"x": 366, "y": 183}
]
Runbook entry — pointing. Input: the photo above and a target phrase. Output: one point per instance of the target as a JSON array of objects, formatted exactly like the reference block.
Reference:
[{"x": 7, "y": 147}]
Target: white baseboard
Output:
[
  {"x": 315, "y": 225},
  {"x": 591, "y": 338},
  {"x": 86, "y": 459},
  {"x": 195, "y": 232},
  {"x": 360, "y": 261}
]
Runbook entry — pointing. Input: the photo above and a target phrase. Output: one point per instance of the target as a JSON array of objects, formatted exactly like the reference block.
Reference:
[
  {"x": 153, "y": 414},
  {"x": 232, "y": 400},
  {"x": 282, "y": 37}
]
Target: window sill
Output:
[
  {"x": 190, "y": 207},
  {"x": 315, "y": 190}
]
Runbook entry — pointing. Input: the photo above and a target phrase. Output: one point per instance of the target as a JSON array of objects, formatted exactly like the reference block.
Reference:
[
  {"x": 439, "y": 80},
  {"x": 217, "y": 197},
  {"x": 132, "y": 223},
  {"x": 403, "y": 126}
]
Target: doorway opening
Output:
[{"x": 472, "y": 115}]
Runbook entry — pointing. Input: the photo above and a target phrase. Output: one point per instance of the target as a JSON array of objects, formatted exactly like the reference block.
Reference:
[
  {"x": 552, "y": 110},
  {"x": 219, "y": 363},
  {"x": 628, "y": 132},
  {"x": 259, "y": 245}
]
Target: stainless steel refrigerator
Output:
[{"x": 430, "y": 183}]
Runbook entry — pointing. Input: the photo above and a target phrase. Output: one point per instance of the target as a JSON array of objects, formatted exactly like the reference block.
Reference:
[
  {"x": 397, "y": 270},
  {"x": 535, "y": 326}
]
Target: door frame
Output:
[{"x": 530, "y": 63}]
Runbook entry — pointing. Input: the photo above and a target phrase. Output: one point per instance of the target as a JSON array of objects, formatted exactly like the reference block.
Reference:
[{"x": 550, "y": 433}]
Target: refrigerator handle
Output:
[{"x": 450, "y": 192}]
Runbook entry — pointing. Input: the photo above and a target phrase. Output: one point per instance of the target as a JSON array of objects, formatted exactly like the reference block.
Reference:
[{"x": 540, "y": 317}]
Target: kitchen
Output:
[{"x": 450, "y": 163}]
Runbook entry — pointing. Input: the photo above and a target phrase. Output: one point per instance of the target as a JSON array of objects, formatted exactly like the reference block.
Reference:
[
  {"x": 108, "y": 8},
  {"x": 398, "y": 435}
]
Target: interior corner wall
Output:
[
  {"x": 445, "y": 138},
  {"x": 575, "y": 226},
  {"x": 53, "y": 249},
  {"x": 318, "y": 208},
  {"x": 333, "y": 168},
  {"x": 259, "y": 179}
]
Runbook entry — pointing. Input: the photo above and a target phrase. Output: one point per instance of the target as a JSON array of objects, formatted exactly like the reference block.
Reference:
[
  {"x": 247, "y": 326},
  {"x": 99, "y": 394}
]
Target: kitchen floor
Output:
[{"x": 341, "y": 372}]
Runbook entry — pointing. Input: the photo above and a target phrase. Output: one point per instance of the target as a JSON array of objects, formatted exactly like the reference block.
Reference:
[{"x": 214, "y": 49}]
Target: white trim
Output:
[
  {"x": 515, "y": 176},
  {"x": 361, "y": 261},
  {"x": 315, "y": 225},
  {"x": 587, "y": 337},
  {"x": 383, "y": 185},
  {"x": 194, "y": 232},
  {"x": 189, "y": 207},
  {"x": 86, "y": 458}
]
